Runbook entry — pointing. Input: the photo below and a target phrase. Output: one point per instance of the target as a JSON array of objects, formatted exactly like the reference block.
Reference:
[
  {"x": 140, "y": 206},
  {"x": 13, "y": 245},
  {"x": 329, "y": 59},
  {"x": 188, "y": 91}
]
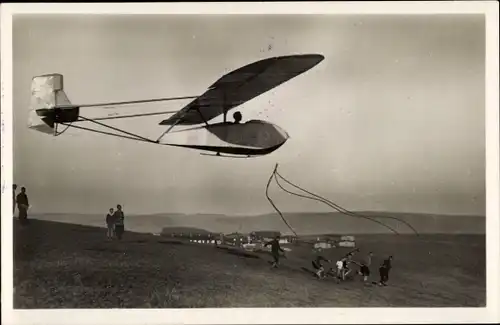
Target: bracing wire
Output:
[
  {"x": 59, "y": 133},
  {"x": 138, "y": 137},
  {"x": 128, "y": 135},
  {"x": 130, "y": 102},
  {"x": 108, "y": 133},
  {"x": 128, "y": 116}
]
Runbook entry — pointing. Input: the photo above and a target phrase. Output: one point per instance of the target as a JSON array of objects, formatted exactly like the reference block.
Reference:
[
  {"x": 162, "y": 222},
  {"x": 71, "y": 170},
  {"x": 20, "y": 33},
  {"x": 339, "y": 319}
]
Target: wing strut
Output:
[
  {"x": 168, "y": 130},
  {"x": 224, "y": 107},
  {"x": 202, "y": 117},
  {"x": 180, "y": 120}
]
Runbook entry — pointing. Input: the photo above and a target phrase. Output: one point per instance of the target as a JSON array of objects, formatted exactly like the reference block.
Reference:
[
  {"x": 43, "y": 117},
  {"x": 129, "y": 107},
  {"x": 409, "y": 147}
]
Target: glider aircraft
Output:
[{"x": 51, "y": 107}]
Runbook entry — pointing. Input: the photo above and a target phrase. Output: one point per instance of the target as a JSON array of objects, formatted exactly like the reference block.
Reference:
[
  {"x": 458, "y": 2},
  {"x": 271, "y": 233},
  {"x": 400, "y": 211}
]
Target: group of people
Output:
[
  {"x": 342, "y": 266},
  {"x": 21, "y": 201},
  {"x": 115, "y": 222}
]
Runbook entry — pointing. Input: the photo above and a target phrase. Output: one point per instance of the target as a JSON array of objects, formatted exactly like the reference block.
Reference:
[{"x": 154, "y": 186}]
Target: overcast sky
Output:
[{"x": 391, "y": 120}]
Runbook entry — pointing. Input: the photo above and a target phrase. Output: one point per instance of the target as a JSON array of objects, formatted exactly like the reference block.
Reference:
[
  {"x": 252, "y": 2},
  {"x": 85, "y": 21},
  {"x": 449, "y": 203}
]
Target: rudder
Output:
[{"x": 49, "y": 104}]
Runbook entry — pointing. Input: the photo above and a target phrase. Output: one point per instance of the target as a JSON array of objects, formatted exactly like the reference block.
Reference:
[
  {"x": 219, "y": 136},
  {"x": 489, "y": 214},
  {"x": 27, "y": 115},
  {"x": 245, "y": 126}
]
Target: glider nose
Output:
[{"x": 284, "y": 135}]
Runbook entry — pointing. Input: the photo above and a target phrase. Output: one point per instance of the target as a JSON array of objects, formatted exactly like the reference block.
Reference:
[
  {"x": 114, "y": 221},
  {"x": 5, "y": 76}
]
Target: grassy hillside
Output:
[
  {"x": 60, "y": 265},
  {"x": 303, "y": 223}
]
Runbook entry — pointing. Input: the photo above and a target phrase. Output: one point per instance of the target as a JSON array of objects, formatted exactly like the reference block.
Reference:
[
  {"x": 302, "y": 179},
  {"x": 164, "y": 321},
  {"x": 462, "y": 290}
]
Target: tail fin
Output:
[{"x": 47, "y": 94}]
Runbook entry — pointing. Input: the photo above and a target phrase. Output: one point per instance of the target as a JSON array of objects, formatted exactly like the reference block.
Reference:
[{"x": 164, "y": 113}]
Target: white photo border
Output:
[{"x": 260, "y": 315}]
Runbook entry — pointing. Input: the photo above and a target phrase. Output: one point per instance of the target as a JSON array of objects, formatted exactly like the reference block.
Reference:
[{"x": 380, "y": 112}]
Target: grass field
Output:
[{"x": 61, "y": 265}]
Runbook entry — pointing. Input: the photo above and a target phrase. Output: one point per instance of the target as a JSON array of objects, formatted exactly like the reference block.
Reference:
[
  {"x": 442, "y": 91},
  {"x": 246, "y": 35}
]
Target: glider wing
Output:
[{"x": 242, "y": 85}]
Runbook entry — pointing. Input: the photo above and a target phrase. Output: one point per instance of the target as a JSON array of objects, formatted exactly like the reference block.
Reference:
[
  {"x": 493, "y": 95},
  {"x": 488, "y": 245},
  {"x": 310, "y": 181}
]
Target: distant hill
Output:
[{"x": 303, "y": 223}]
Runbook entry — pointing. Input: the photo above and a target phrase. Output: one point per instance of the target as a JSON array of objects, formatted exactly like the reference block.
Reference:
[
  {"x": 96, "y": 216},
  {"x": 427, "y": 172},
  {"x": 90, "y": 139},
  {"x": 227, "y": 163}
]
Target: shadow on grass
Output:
[
  {"x": 103, "y": 249},
  {"x": 238, "y": 252},
  {"x": 308, "y": 270},
  {"x": 170, "y": 242}
]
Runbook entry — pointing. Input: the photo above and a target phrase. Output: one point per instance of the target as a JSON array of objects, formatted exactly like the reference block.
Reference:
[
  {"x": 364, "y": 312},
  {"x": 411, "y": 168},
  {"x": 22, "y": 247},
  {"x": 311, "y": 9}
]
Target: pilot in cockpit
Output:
[{"x": 237, "y": 117}]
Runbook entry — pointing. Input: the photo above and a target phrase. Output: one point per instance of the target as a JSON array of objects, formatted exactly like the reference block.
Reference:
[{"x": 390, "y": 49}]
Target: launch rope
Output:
[
  {"x": 333, "y": 205},
  {"x": 272, "y": 203},
  {"x": 345, "y": 211}
]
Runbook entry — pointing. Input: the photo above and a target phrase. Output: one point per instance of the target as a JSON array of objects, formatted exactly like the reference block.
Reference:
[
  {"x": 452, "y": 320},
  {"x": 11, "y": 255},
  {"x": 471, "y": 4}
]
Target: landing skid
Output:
[{"x": 225, "y": 156}]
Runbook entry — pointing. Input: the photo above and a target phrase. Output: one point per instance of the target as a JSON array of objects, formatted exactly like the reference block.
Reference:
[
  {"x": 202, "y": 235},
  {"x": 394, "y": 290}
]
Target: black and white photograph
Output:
[{"x": 209, "y": 161}]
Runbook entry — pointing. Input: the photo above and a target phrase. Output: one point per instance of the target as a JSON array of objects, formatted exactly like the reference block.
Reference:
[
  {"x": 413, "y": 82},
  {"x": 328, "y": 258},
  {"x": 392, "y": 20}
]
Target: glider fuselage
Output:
[{"x": 254, "y": 137}]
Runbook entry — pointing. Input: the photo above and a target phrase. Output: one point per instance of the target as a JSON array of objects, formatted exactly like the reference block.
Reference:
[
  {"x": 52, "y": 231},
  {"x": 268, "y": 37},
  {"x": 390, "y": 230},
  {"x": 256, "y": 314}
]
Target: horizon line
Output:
[{"x": 271, "y": 213}]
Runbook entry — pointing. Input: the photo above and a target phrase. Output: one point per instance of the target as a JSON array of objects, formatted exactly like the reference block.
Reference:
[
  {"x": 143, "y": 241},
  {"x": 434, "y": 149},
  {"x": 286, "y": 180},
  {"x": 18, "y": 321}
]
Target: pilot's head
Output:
[{"x": 237, "y": 117}]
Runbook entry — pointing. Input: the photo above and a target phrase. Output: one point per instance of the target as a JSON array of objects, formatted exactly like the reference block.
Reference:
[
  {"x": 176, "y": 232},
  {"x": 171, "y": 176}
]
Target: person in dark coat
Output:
[
  {"x": 384, "y": 271},
  {"x": 317, "y": 264},
  {"x": 346, "y": 267},
  {"x": 119, "y": 219},
  {"x": 23, "y": 205},
  {"x": 14, "y": 188},
  {"x": 275, "y": 250},
  {"x": 365, "y": 267}
]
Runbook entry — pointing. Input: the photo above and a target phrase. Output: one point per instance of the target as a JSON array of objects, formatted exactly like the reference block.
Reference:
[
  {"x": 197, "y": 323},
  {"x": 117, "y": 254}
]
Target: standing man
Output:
[
  {"x": 339, "y": 266},
  {"x": 22, "y": 205},
  {"x": 14, "y": 188},
  {"x": 275, "y": 250},
  {"x": 384, "y": 271},
  {"x": 346, "y": 260},
  {"x": 119, "y": 219},
  {"x": 365, "y": 267},
  {"x": 110, "y": 223}
]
